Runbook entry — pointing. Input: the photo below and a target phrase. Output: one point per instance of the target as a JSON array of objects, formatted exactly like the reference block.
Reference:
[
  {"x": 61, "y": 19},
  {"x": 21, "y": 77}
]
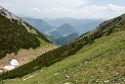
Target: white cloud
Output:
[
  {"x": 62, "y": 8},
  {"x": 37, "y": 9},
  {"x": 92, "y": 11},
  {"x": 59, "y": 3},
  {"x": 116, "y": 8}
]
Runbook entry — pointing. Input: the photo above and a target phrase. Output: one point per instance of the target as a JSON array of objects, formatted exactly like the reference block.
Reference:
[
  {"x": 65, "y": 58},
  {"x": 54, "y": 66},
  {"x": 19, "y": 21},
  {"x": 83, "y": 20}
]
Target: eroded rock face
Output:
[
  {"x": 8, "y": 14},
  {"x": 11, "y": 16}
]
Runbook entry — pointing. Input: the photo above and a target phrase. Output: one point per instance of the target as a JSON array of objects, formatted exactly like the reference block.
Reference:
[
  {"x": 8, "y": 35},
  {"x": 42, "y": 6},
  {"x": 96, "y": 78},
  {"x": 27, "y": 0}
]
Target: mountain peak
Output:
[
  {"x": 16, "y": 34},
  {"x": 11, "y": 16},
  {"x": 8, "y": 14},
  {"x": 67, "y": 25}
]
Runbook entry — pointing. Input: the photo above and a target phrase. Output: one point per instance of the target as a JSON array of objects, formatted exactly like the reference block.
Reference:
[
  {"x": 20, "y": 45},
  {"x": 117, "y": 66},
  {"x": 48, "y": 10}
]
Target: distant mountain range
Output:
[
  {"x": 66, "y": 29},
  {"x": 81, "y": 25},
  {"x": 63, "y": 27},
  {"x": 54, "y": 34}
]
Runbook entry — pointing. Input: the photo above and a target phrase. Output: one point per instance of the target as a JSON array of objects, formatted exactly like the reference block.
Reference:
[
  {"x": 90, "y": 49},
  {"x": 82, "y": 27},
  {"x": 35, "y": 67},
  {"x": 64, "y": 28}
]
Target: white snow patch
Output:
[
  {"x": 11, "y": 67},
  {"x": 14, "y": 62},
  {"x": 1, "y": 71}
]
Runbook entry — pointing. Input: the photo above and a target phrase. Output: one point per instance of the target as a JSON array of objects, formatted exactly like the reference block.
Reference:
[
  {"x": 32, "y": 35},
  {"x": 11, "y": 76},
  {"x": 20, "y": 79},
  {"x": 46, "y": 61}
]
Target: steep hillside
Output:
[
  {"x": 16, "y": 34},
  {"x": 19, "y": 41},
  {"x": 96, "y": 57}
]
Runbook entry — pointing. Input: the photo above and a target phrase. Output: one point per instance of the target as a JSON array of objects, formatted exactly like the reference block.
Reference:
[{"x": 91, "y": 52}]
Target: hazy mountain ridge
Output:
[
  {"x": 54, "y": 34},
  {"x": 63, "y": 27},
  {"x": 66, "y": 29},
  {"x": 41, "y": 25},
  {"x": 63, "y": 34},
  {"x": 81, "y": 25}
]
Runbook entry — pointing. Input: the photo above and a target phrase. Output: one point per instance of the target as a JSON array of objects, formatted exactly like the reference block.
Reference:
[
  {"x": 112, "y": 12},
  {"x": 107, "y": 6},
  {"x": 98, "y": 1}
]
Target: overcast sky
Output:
[{"x": 91, "y": 9}]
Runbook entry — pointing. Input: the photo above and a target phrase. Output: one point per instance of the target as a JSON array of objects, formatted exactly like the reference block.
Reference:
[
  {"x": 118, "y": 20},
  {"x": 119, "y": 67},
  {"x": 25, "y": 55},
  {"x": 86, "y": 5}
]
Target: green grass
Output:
[
  {"x": 97, "y": 63},
  {"x": 43, "y": 43}
]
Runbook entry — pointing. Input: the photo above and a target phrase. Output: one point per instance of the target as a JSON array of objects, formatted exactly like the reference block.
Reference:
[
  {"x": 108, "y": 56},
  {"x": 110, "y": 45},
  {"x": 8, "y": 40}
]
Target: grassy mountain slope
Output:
[
  {"x": 16, "y": 34},
  {"x": 96, "y": 57},
  {"x": 95, "y": 64}
]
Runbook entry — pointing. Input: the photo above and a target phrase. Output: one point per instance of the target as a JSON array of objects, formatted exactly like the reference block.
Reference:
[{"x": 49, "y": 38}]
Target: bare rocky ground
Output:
[{"x": 25, "y": 56}]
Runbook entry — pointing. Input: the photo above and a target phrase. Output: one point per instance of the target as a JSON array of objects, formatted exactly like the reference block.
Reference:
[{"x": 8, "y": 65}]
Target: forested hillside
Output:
[{"x": 15, "y": 34}]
